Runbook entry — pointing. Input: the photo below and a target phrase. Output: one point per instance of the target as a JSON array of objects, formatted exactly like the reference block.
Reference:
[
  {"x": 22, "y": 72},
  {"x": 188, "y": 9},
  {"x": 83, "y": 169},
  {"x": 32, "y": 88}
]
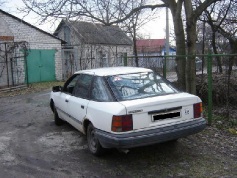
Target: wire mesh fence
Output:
[
  {"x": 216, "y": 81},
  {"x": 71, "y": 64},
  {"x": 12, "y": 64},
  {"x": 12, "y": 72}
]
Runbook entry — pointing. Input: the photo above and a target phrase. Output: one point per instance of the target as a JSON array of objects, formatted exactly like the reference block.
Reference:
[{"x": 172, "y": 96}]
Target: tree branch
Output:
[
  {"x": 133, "y": 11},
  {"x": 202, "y": 7}
]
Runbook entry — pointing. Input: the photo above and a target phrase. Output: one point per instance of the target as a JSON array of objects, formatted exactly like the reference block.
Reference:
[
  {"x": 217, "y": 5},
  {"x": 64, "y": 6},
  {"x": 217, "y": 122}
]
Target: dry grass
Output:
[{"x": 35, "y": 87}]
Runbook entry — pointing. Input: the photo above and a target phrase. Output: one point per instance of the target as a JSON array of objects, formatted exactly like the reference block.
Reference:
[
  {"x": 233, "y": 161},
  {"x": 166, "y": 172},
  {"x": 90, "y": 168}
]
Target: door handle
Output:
[
  {"x": 82, "y": 107},
  {"x": 66, "y": 100}
]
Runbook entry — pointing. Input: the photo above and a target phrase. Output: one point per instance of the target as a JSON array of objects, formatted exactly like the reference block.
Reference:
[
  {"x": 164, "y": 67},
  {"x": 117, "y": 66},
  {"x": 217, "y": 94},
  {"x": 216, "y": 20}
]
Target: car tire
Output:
[
  {"x": 93, "y": 143},
  {"x": 57, "y": 120}
]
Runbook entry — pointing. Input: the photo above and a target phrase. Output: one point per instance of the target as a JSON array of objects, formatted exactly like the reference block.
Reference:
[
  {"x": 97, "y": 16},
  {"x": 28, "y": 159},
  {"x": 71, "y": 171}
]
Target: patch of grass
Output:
[
  {"x": 45, "y": 85},
  {"x": 224, "y": 123},
  {"x": 34, "y": 87},
  {"x": 221, "y": 120}
]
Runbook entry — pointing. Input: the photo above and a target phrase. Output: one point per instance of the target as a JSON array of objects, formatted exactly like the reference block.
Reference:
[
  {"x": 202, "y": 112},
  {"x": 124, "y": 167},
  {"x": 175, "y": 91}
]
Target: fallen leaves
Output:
[{"x": 232, "y": 131}]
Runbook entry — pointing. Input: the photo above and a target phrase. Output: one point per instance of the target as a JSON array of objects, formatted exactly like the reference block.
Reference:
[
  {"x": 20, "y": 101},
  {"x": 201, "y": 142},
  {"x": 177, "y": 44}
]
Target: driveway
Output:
[{"x": 32, "y": 146}]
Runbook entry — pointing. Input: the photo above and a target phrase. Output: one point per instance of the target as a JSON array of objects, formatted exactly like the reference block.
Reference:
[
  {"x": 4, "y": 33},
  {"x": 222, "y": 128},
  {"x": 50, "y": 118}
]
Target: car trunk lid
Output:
[{"x": 162, "y": 110}]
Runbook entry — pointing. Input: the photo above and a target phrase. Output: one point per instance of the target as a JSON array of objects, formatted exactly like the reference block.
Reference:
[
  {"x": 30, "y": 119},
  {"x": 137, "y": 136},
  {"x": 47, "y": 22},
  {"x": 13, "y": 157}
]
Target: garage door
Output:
[{"x": 41, "y": 65}]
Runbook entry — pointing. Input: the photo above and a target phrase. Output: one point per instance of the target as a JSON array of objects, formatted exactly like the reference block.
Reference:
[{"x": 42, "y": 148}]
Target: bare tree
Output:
[
  {"x": 191, "y": 22},
  {"x": 176, "y": 11},
  {"x": 111, "y": 12},
  {"x": 108, "y": 12},
  {"x": 186, "y": 68},
  {"x": 208, "y": 39},
  {"x": 222, "y": 19},
  {"x": 135, "y": 22}
]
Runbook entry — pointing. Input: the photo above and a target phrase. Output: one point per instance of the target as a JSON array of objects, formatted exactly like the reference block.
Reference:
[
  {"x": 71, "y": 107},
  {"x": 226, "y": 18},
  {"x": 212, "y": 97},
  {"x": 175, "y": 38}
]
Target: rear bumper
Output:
[{"x": 149, "y": 137}]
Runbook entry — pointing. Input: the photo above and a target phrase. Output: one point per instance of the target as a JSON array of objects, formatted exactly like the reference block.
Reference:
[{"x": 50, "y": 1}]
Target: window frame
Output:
[
  {"x": 106, "y": 87},
  {"x": 88, "y": 97},
  {"x": 65, "y": 90},
  {"x": 119, "y": 97}
]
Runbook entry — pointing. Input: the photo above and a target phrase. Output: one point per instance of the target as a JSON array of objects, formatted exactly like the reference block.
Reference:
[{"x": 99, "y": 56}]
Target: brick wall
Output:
[{"x": 36, "y": 39}]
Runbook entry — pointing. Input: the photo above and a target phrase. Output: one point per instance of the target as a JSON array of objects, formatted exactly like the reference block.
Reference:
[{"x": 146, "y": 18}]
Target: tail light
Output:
[
  {"x": 122, "y": 123},
  {"x": 197, "y": 110}
]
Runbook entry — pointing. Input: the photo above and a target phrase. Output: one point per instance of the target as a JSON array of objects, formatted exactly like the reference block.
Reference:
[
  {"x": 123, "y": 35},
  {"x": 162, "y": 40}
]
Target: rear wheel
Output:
[
  {"x": 93, "y": 143},
  {"x": 57, "y": 120}
]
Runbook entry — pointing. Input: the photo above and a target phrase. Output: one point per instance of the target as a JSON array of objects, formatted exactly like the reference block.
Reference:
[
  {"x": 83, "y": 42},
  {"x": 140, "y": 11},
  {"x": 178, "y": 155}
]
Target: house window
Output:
[
  {"x": 103, "y": 62},
  {"x": 120, "y": 58}
]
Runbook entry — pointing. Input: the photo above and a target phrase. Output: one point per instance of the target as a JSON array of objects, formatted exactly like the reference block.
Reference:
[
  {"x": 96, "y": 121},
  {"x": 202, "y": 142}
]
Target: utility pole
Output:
[
  {"x": 167, "y": 33},
  {"x": 167, "y": 48}
]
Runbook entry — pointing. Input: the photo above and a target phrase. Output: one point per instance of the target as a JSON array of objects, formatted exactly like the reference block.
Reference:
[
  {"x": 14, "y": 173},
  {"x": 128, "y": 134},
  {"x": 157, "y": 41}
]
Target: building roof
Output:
[
  {"x": 95, "y": 33},
  {"x": 150, "y": 45},
  {"x": 28, "y": 24}
]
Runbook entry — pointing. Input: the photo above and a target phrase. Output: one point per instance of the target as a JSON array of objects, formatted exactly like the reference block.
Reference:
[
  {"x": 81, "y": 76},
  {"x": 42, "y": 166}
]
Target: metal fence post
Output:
[
  {"x": 164, "y": 67},
  {"x": 209, "y": 73},
  {"x": 26, "y": 67}
]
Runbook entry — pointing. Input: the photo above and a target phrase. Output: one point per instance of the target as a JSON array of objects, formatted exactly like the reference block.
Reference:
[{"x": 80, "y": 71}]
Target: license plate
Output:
[{"x": 162, "y": 116}]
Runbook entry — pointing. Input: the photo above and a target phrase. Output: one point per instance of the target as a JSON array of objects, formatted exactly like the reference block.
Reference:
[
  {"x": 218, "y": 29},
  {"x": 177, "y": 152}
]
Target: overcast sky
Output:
[{"x": 154, "y": 29}]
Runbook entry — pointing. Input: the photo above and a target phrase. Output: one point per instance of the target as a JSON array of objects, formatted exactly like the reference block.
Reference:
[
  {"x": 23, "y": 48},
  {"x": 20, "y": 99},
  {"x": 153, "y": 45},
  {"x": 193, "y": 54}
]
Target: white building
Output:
[
  {"x": 27, "y": 53},
  {"x": 91, "y": 45}
]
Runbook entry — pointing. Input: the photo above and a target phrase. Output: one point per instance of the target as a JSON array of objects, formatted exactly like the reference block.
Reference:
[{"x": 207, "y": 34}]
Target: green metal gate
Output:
[{"x": 41, "y": 65}]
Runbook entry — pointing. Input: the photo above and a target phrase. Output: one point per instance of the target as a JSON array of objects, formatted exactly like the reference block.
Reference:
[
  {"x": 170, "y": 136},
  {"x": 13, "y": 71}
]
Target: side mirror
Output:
[{"x": 57, "y": 88}]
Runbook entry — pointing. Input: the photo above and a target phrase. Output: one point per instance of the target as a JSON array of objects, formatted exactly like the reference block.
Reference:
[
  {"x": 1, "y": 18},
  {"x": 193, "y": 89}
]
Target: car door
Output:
[
  {"x": 62, "y": 98},
  {"x": 79, "y": 100}
]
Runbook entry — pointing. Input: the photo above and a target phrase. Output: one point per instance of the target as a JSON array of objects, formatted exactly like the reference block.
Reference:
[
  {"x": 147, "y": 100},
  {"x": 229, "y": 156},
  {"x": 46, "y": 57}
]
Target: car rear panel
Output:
[{"x": 161, "y": 111}]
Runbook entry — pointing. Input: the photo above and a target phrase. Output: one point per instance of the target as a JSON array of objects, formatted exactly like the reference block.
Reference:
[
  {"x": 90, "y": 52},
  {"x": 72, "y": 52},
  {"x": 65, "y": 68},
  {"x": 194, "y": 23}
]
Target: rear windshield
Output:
[{"x": 139, "y": 85}]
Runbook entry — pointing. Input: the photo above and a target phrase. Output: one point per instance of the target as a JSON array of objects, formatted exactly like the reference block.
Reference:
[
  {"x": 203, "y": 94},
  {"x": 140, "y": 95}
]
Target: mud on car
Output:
[{"x": 125, "y": 107}]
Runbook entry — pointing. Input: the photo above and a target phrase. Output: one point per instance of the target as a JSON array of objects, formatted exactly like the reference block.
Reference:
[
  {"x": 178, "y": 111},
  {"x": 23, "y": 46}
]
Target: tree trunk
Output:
[
  {"x": 215, "y": 51},
  {"x": 135, "y": 50},
  {"x": 191, "y": 45},
  {"x": 233, "y": 46},
  {"x": 213, "y": 42},
  {"x": 180, "y": 43},
  {"x": 190, "y": 64}
]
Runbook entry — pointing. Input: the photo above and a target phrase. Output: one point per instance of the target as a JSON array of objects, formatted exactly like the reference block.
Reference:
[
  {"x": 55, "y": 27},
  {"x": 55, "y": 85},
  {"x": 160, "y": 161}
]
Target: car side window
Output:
[
  {"x": 99, "y": 91},
  {"x": 82, "y": 88},
  {"x": 70, "y": 84}
]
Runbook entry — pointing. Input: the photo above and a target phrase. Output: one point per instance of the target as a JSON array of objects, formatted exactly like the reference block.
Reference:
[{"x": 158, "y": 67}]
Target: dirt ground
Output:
[{"x": 32, "y": 146}]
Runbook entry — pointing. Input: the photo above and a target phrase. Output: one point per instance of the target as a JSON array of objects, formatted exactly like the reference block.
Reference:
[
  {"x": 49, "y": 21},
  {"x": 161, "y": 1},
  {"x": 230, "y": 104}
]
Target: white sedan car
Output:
[{"x": 125, "y": 107}]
